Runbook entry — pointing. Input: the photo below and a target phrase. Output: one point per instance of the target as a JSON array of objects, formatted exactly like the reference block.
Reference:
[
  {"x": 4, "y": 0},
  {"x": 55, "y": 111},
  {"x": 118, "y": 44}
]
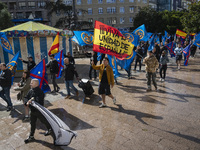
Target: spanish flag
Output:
[
  {"x": 109, "y": 40},
  {"x": 55, "y": 46},
  {"x": 181, "y": 33}
]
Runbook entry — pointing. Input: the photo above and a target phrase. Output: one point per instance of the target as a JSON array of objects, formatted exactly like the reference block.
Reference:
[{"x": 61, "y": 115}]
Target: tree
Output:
[
  {"x": 5, "y": 17},
  {"x": 191, "y": 19}
]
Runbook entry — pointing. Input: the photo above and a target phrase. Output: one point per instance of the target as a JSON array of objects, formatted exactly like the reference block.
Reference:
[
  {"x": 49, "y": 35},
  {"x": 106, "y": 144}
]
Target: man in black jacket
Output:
[
  {"x": 54, "y": 68},
  {"x": 37, "y": 95},
  {"x": 69, "y": 72},
  {"x": 30, "y": 63},
  {"x": 5, "y": 83},
  {"x": 71, "y": 59}
]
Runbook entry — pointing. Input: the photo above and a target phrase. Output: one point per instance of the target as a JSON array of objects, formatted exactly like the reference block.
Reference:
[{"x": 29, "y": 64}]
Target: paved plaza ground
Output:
[{"x": 165, "y": 120}]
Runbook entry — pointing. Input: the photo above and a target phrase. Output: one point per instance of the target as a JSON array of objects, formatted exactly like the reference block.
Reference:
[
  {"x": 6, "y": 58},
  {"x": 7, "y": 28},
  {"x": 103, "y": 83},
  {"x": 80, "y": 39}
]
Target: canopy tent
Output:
[{"x": 33, "y": 39}]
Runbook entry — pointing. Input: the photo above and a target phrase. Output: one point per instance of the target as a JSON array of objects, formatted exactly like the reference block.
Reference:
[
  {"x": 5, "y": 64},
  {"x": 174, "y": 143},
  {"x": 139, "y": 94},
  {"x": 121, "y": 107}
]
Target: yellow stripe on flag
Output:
[
  {"x": 55, "y": 45},
  {"x": 181, "y": 33}
]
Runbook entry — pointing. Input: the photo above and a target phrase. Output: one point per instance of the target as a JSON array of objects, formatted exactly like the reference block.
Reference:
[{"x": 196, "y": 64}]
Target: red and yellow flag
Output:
[
  {"x": 109, "y": 40},
  {"x": 181, "y": 33},
  {"x": 55, "y": 46}
]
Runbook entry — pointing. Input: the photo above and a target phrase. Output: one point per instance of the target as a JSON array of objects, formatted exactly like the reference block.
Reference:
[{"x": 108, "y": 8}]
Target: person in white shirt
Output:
[{"x": 178, "y": 51}]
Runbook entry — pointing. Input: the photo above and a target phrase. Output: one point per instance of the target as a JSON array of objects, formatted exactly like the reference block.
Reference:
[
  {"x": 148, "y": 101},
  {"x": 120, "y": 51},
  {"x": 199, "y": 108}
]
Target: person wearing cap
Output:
[
  {"x": 54, "y": 69},
  {"x": 30, "y": 63}
]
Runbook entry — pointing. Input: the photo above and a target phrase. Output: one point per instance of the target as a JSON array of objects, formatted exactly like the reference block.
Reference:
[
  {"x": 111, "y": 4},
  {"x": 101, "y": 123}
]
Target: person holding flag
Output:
[
  {"x": 30, "y": 63},
  {"x": 178, "y": 51}
]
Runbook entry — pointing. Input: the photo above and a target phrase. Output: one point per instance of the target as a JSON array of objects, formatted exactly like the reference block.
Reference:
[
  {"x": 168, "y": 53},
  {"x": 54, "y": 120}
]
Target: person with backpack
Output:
[{"x": 54, "y": 69}]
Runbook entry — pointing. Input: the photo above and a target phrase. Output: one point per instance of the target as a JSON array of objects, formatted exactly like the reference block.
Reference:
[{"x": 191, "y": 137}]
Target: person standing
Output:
[
  {"x": 69, "y": 72},
  {"x": 139, "y": 57},
  {"x": 106, "y": 79},
  {"x": 163, "y": 65},
  {"x": 151, "y": 64},
  {"x": 24, "y": 87},
  {"x": 93, "y": 58},
  {"x": 54, "y": 68},
  {"x": 37, "y": 95},
  {"x": 5, "y": 83},
  {"x": 71, "y": 59},
  {"x": 30, "y": 63},
  {"x": 178, "y": 51}
]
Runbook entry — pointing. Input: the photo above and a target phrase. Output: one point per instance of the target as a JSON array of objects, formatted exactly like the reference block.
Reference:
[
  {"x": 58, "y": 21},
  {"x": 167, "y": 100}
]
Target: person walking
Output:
[
  {"x": 24, "y": 87},
  {"x": 93, "y": 58},
  {"x": 151, "y": 64},
  {"x": 30, "y": 63},
  {"x": 106, "y": 79},
  {"x": 71, "y": 58},
  {"x": 163, "y": 65},
  {"x": 178, "y": 51},
  {"x": 54, "y": 68},
  {"x": 37, "y": 95},
  {"x": 69, "y": 72},
  {"x": 5, "y": 83},
  {"x": 138, "y": 58}
]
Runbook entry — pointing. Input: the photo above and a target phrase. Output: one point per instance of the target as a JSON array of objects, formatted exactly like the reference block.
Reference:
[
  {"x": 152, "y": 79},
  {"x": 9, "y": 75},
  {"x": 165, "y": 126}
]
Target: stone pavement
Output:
[{"x": 165, "y": 120}]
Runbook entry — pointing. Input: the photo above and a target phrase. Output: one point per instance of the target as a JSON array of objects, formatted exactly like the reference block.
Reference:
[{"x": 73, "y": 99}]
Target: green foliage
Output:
[
  {"x": 4, "y": 17},
  {"x": 191, "y": 19}
]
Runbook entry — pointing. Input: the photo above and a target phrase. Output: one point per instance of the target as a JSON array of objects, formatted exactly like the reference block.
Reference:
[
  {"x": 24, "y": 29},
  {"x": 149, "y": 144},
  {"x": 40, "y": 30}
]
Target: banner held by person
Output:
[
  {"x": 60, "y": 59},
  {"x": 186, "y": 53},
  {"x": 109, "y": 40},
  {"x": 5, "y": 43},
  {"x": 171, "y": 47},
  {"x": 55, "y": 46},
  {"x": 181, "y": 33},
  {"x": 84, "y": 37}
]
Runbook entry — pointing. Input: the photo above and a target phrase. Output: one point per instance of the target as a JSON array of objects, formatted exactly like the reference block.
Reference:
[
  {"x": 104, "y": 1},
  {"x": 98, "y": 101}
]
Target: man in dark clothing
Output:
[
  {"x": 157, "y": 53},
  {"x": 30, "y": 63},
  {"x": 37, "y": 95},
  {"x": 69, "y": 72},
  {"x": 139, "y": 57},
  {"x": 5, "y": 83},
  {"x": 54, "y": 68},
  {"x": 71, "y": 59},
  {"x": 94, "y": 59}
]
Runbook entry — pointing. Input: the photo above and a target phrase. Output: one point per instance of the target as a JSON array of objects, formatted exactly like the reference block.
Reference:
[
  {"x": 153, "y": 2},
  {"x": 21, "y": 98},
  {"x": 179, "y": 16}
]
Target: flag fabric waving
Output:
[
  {"x": 186, "y": 53},
  {"x": 181, "y": 33},
  {"x": 113, "y": 64},
  {"x": 60, "y": 59},
  {"x": 152, "y": 43},
  {"x": 197, "y": 40},
  {"x": 171, "y": 47},
  {"x": 131, "y": 37},
  {"x": 5, "y": 43},
  {"x": 55, "y": 46},
  {"x": 39, "y": 72},
  {"x": 75, "y": 39},
  {"x": 109, "y": 40},
  {"x": 141, "y": 32},
  {"x": 84, "y": 37}
]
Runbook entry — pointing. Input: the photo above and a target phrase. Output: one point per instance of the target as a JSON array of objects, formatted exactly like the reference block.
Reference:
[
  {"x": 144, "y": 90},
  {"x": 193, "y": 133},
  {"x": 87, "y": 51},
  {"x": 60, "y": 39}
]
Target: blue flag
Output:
[
  {"x": 157, "y": 39},
  {"x": 141, "y": 32},
  {"x": 152, "y": 43},
  {"x": 99, "y": 55},
  {"x": 171, "y": 46},
  {"x": 131, "y": 37},
  {"x": 39, "y": 72},
  {"x": 5, "y": 43},
  {"x": 60, "y": 59},
  {"x": 127, "y": 61},
  {"x": 113, "y": 64},
  {"x": 186, "y": 53},
  {"x": 84, "y": 37},
  {"x": 197, "y": 40},
  {"x": 12, "y": 65},
  {"x": 163, "y": 40},
  {"x": 75, "y": 39}
]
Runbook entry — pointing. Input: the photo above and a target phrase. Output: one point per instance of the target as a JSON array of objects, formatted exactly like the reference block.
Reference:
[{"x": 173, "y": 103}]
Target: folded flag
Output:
[
  {"x": 55, "y": 46},
  {"x": 5, "y": 43}
]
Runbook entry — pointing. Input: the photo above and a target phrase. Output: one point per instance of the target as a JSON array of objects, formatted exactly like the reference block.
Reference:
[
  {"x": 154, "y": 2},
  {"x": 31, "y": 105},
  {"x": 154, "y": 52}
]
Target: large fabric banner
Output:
[{"x": 109, "y": 40}]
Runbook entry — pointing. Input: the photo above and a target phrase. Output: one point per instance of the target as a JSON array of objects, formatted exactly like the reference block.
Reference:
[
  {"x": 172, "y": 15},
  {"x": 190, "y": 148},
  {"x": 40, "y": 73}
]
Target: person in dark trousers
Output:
[
  {"x": 163, "y": 65},
  {"x": 102, "y": 57},
  {"x": 37, "y": 95},
  {"x": 139, "y": 57},
  {"x": 71, "y": 59},
  {"x": 5, "y": 83},
  {"x": 193, "y": 50},
  {"x": 54, "y": 68},
  {"x": 69, "y": 72},
  {"x": 30, "y": 63},
  {"x": 157, "y": 51},
  {"x": 93, "y": 58}
]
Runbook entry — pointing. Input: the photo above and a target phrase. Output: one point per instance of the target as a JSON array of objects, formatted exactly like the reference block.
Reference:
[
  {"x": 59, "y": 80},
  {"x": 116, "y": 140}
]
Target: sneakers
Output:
[
  {"x": 68, "y": 96},
  {"x": 9, "y": 108},
  {"x": 160, "y": 79},
  {"x": 163, "y": 80},
  {"x": 48, "y": 132},
  {"x": 102, "y": 105},
  {"x": 114, "y": 100},
  {"x": 58, "y": 89},
  {"x": 26, "y": 119},
  {"x": 77, "y": 93},
  {"x": 29, "y": 139},
  {"x": 53, "y": 91},
  {"x": 148, "y": 90}
]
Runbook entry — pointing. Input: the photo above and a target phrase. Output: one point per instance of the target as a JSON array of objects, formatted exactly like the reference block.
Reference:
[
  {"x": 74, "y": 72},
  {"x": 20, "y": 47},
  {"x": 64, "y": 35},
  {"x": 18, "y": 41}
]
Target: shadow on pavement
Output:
[{"x": 149, "y": 99}]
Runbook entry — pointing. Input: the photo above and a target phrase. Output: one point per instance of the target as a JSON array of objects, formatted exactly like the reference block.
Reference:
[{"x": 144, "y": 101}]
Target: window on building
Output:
[
  {"x": 12, "y": 5},
  {"x": 131, "y": 9},
  {"x": 90, "y": 19},
  {"x": 22, "y": 5},
  {"x": 113, "y": 10},
  {"x": 108, "y": 10},
  {"x": 31, "y": 4},
  {"x": 109, "y": 21},
  {"x": 41, "y": 4},
  {"x": 100, "y": 1},
  {"x": 110, "y": 1},
  {"x": 121, "y": 1},
  {"x": 114, "y": 20},
  {"x": 89, "y": 11},
  {"x": 121, "y": 10},
  {"x": 67, "y": 2},
  {"x": 131, "y": 19},
  {"x": 144, "y": 1},
  {"x": 19, "y": 15},
  {"x": 78, "y": 2},
  {"x": 121, "y": 20},
  {"x": 12, "y": 15},
  {"x": 79, "y": 12},
  {"x": 100, "y": 10},
  {"x": 38, "y": 14},
  {"x": 131, "y": 1},
  {"x": 89, "y": 1}
]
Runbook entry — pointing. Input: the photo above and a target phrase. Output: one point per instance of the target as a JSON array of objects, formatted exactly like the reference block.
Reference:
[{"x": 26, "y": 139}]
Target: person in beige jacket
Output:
[
  {"x": 24, "y": 87},
  {"x": 151, "y": 64}
]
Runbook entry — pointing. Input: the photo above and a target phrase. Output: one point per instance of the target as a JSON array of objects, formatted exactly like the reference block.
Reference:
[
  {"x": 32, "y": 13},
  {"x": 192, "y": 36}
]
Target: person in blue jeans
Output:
[
  {"x": 69, "y": 72},
  {"x": 5, "y": 83}
]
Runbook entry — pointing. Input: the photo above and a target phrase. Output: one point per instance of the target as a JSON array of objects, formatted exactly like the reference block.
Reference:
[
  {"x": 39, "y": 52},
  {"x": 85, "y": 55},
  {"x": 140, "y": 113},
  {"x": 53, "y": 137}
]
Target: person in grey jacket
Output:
[
  {"x": 24, "y": 87},
  {"x": 163, "y": 65}
]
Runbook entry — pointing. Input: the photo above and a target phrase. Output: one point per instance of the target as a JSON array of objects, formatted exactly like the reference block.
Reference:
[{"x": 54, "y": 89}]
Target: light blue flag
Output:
[
  {"x": 163, "y": 40},
  {"x": 84, "y": 37},
  {"x": 152, "y": 43},
  {"x": 99, "y": 55},
  {"x": 5, "y": 43},
  {"x": 131, "y": 37},
  {"x": 197, "y": 40},
  {"x": 141, "y": 32},
  {"x": 75, "y": 39}
]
